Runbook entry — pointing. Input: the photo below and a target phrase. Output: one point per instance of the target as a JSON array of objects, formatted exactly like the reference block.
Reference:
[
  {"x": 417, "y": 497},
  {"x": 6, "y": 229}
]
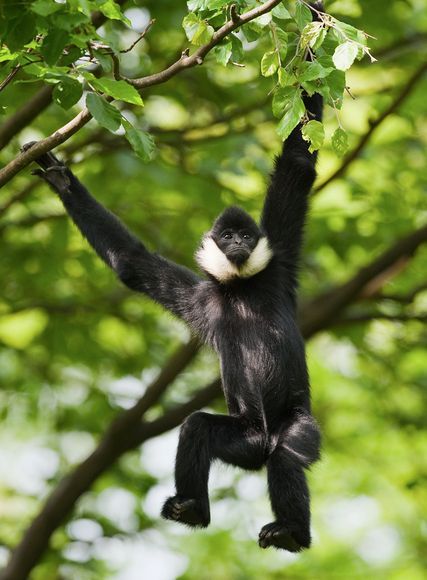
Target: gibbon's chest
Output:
[{"x": 235, "y": 320}]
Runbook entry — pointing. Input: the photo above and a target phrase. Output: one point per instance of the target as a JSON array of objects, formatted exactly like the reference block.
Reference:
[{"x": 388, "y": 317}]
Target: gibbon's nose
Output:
[{"x": 237, "y": 239}]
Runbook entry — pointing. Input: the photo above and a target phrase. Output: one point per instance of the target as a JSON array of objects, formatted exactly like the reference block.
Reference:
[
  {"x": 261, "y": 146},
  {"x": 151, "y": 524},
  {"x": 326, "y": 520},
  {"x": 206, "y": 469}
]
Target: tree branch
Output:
[
  {"x": 368, "y": 317},
  {"x": 185, "y": 62},
  {"x": 122, "y": 435},
  {"x": 38, "y": 102},
  {"x": 354, "y": 154},
  {"x": 322, "y": 311},
  {"x": 18, "y": 196},
  {"x": 25, "y": 115},
  {"x": 401, "y": 298},
  {"x": 400, "y": 46},
  {"x": 198, "y": 56}
]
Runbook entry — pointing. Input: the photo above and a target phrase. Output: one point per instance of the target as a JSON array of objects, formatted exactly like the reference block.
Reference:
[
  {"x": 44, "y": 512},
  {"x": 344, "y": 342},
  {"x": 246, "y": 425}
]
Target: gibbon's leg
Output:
[
  {"x": 205, "y": 437},
  {"x": 297, "y": 447}
]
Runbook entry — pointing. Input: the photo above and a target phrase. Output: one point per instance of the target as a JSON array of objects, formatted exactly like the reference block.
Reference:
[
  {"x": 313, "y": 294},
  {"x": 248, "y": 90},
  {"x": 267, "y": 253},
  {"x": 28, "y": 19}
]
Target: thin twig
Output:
[
  {"x": 354, "y": 154},
  {"x": 141, "y": 36}
]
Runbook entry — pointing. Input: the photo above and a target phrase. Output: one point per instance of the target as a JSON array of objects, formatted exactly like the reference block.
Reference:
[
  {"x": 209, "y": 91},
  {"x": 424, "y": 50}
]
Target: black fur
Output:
[{"x": 251, "y": 323}]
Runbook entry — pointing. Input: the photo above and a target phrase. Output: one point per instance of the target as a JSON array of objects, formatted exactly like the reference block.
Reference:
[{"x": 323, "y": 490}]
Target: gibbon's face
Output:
[
  {"x": 234, "y": 248},
  {"x": 236, "y": 243}
]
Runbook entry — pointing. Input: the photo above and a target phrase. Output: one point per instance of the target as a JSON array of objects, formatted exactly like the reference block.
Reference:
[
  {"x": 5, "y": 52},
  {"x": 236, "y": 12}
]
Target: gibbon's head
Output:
[{"x": 234, "y": 248}]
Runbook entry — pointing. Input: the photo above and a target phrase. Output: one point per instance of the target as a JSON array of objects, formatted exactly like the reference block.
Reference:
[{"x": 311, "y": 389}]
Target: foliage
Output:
[
  {"x": 59, "y": 44},
  {"x": 78, "y": 349}
]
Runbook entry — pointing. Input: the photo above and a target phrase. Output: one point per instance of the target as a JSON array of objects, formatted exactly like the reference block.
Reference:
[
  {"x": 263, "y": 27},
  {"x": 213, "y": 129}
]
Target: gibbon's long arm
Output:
[
  {"x": 286, "y": 201},
  {"x": 163, "y": 281}
]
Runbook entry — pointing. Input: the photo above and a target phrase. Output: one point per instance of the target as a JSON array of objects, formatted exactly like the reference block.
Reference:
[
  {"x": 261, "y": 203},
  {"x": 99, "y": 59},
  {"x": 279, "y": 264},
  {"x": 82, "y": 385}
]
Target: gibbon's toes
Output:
[
  {"x": 27, "y": 146},
  {"x": 185, "y": 511},
  {"x": 278, "y": 536}
]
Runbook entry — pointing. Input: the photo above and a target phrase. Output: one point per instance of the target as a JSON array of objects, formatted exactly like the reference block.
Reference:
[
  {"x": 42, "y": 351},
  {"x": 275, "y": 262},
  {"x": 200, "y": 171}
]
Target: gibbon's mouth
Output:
[{"x": 237, "y": 256}]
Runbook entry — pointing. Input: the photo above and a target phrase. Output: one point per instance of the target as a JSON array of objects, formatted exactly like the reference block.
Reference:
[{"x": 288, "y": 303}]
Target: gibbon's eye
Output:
[
  {"x": 226, "y": 236},
  {"x": 246, "y": 235}
]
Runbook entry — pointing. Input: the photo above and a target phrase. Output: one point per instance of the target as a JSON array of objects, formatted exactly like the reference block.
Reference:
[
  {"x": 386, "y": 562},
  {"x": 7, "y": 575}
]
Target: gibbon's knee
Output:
[
  {"x": 302, "y": 439},
  {"x": 194, "y": 424}
]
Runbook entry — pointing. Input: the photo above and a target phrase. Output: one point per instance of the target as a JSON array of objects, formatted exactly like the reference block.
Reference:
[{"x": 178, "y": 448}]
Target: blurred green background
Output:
[{"x": 76, "y": 348}]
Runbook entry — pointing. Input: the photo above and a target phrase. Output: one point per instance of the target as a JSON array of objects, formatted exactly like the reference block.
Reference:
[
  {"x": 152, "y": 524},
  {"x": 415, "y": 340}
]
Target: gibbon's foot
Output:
[
  {"x": 278, "y": 536},
  {"x": 52, "y": 170},
  {"x": 186, "y": 511}
]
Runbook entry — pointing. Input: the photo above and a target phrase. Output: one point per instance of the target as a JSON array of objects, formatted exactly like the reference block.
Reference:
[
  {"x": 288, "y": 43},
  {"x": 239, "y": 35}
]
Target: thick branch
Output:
[
  {"x": 84, "y": 116},
  {"x": 18, "y": 196},
  {"x": 354, "y": 154},
  {"x": 401, "y": 45},
  {"x": 123, "y": 434},
  {"x": 322, "y": 311},
  {"x": 25, "y": 115},
  {"x": 402, "y": 298},
  {"x": 44, "y": 146}
]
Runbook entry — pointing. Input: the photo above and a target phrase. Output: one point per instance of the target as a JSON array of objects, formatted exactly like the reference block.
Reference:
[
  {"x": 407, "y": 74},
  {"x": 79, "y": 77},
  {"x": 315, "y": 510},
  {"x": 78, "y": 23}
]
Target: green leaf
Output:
[
  {"x": 349, "y": 32},
  {"x": 314, "y": 132},
  {"x": 302, "y": 15},
  {"x": 67, "y": 92},
  {"x": 281, "y": 37},
  {"x": 198, "y": 31},
  {"x": 53, "y": 45},
  {"x": 252, "y": 31},
  {"x": 313, "y": 35},
  {"x": 203, "y": 34},
  {"x": 223, "y": 53},
  {"x": 67, "y": 21},
  {"x": 104, "y": 113},
  {"x": 112, "y": 11},
  {"x": 190, "y": 25},
  {"x": 120, "y": 90},
  {"x": 295, "y": 109},
  {"x": 263, "y": 20},
  {"x": 281, "y": 99},
  {"x": 281, "y": 13},
  {"x": 45, "y": 7},
  {"x": 269, "y": 63},
  {"x": 104, "y": 60},
  {"x": 340, "y": 142},
  {"x": 336, "y": 83},
  {"x": 71, "y": 54},
  {"x": 215, "y": 4},
  {"x": 310, "y": 71},
  {"x": 282, "y": 76},
  {"x": 6, "y": 55},
  {"x": 141, "y": 141},
  {"x": 196, "y": 5},
  {"x": 345, "y": 55},
  {"x": 20, "y": 31},
  {"x": 238, "y": 52}
]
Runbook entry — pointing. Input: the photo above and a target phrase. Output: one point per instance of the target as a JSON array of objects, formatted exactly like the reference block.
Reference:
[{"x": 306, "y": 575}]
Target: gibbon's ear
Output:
[{"x": 213, "y": 261}]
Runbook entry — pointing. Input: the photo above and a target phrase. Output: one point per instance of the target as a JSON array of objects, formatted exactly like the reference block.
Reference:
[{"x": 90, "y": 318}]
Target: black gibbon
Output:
[{"x": 245, "y": 308}]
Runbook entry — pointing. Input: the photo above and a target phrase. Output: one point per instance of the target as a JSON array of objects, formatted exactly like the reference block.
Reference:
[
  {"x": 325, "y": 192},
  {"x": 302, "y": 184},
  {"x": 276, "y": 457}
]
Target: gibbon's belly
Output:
[{"x": 253, "y": 357}]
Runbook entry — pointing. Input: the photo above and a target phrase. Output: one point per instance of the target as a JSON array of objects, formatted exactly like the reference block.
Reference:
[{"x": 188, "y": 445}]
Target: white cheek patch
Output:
[
  {"x": 212, "y": 260},
  {"x": 258, "y": 260}
]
